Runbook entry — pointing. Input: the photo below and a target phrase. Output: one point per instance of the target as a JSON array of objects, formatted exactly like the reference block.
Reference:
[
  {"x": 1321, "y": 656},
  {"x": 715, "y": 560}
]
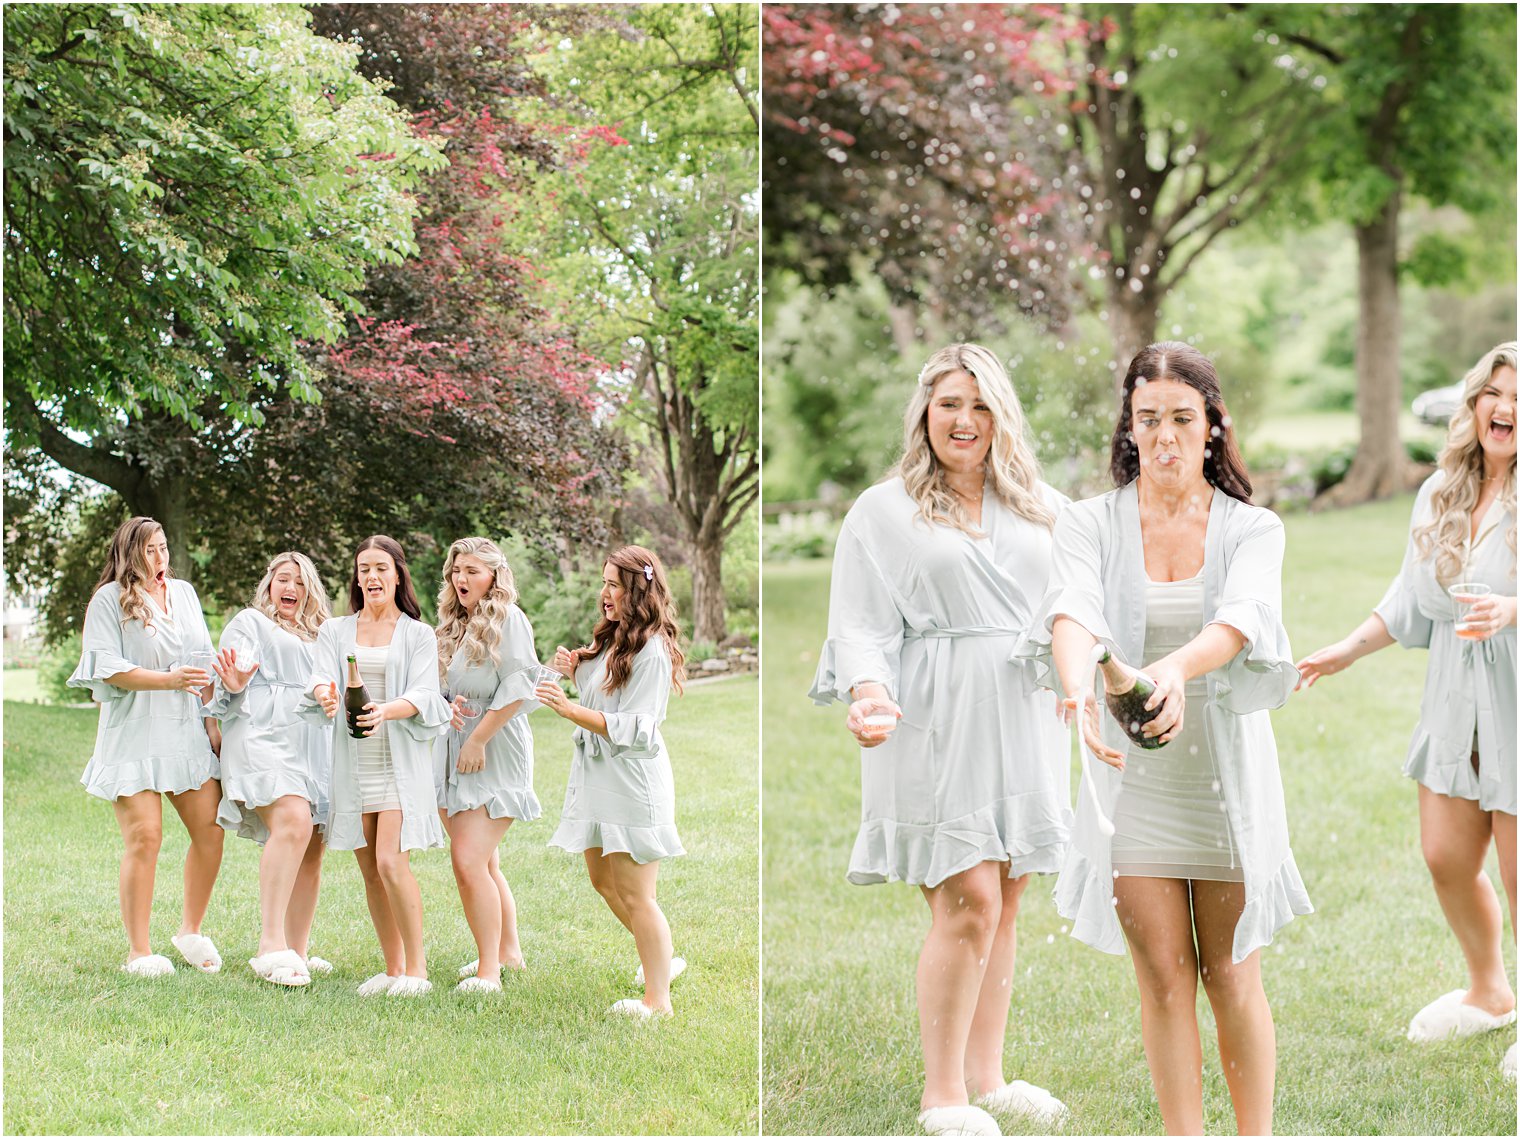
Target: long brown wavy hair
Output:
[
  {"x": 1172, "y": 360},
  {"x": 648, "y": 609},
  {"x": 406, "y": 596},
  {"x": 128, "y": 567}
]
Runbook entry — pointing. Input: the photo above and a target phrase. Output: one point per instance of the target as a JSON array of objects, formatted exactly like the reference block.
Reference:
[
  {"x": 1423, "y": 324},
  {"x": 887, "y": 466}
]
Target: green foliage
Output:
[
  {"x": 57, "y": 665},
  {"x": 191, "y": 192}
]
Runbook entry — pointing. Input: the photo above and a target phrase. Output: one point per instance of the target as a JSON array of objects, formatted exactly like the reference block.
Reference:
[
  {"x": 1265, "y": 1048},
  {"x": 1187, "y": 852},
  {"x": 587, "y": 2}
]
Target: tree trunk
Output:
[
  {"x": 1381, "y": 468},
  {"x": 1132, "y": 318},
  {"x": 709, "y": 603}
]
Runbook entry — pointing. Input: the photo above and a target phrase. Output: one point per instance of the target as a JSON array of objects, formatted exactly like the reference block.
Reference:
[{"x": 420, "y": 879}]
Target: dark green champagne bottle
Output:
[
  {"x": 355, "y": 699},
  {"x": 1125, "y": 692}
]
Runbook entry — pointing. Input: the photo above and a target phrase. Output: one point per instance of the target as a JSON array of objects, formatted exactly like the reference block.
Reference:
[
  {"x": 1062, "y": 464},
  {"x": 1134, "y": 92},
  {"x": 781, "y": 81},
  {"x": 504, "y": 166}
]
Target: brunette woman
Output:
[
  {"x": 620, "y": 806},
  {"x": 141, "y": 632},
  {"x": 383, "y": 801},
  {"x": 1176, "y": 570}
]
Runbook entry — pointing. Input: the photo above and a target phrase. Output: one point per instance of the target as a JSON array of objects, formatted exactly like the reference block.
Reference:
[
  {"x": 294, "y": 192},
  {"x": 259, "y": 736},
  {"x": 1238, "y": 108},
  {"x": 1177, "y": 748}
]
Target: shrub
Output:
[{"x": 55, "y": 668}]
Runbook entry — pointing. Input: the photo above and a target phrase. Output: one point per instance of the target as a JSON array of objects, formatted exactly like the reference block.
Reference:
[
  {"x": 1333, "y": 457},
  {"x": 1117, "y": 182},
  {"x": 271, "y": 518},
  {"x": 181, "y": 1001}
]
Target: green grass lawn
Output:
[
  {"x": 1295, "y": 431},
  {"x": 840, "y": 1029},
  {"x": 89, "y": 1050},
  {"x": 20, "y": 685}
]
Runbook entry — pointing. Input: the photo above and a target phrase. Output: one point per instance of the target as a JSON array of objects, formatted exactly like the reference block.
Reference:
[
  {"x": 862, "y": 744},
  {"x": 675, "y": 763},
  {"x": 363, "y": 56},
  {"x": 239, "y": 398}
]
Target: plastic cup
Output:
[
  {"x": 1463, "y": 596},
  {"x": 468, "y": 710},
  {"x": 879, "y": 723}
]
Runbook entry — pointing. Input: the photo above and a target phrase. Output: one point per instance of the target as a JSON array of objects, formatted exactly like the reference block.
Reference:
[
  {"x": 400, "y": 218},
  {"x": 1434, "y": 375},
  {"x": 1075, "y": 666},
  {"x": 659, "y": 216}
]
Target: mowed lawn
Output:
[
  {"x": 89, "y": 1050},
  {"x": 840, "y": 1028}
]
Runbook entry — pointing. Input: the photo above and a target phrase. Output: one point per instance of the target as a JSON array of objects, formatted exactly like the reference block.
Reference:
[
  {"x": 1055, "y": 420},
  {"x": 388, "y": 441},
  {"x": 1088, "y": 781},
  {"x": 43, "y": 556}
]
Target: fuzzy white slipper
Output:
[
  {"x": 318, "y": 965},
  {"x": 471, "y": 969},
  {"x": 1019, "y": 1097},
  {"x": 410, "y": 987},
  {"x": 957, "y": 1120},
  {"x": 198, "y": 950},
  {"x": 150, "y": 965},
  {"x": 282, "y": 967},
  {"x": 635, "y": 1008},
  {"x": 1507, "y": 1065},
  {"x": 677, "y": 967},
  {"x": 478, "y": 985},
  {"x": 1447, "y": 1018},
  {"x": 377, "y": 985}
]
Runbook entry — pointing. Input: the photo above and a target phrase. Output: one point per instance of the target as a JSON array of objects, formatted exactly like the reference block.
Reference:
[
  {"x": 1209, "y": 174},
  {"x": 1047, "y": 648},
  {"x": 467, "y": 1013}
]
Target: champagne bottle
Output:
[
  {"x": 1126, "y": 691},
  {"x": 355, "y": 699}
]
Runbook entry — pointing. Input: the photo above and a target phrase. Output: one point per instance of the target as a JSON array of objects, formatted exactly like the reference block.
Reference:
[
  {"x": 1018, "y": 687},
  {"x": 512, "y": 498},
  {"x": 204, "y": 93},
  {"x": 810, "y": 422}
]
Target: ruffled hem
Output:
[
  {"x": 1086, "y": 899},
  {"x": 1448, "y": 770},
  {"x": 1019, "y": 830},
  {"x": 259, "y": 789},
  {"x": 167, "y": 776},
  {"x": 645, "y": 844},
  {"x": 511, "y": 803}
]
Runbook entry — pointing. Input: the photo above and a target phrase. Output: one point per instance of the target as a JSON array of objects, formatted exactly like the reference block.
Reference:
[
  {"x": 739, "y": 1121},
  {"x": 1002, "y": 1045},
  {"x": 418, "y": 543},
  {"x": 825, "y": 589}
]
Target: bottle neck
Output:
[
  {"x": 354, "y": 680},
  {"x": 1117, "y": 677}
]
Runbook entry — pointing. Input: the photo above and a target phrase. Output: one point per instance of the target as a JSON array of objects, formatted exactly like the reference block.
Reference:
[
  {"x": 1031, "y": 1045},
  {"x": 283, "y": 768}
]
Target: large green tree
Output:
[
  {"x": 191, "y": 192},
  {"x": 653, "y": 239},
  {"x": 1421, "y": 102}
]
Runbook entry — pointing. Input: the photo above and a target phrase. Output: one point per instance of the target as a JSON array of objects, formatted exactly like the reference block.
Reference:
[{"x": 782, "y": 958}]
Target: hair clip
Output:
[{"x": 649, "y": 573}]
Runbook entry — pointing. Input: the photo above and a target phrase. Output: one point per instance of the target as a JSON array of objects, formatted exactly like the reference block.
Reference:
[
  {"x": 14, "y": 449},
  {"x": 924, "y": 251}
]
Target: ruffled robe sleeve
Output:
[
  {"x": 1262, "y": 674},
  {"x": 104, "y": 652},
  {"x": 634, "y": 727},
  {"x": 865, "y": 625},
  {"x": 326, "y": 668},
  {"x": 519, "y": 665},
  {"x": 420, "y": 686}
]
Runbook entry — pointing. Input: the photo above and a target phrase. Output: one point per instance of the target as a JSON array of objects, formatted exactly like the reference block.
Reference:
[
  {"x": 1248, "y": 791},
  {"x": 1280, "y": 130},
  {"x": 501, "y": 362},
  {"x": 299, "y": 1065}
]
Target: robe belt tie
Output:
[
  {"x": 934, "y": 632},
  {"x": 1472, "y": 649},
  {"x": 591, "y": 744}
]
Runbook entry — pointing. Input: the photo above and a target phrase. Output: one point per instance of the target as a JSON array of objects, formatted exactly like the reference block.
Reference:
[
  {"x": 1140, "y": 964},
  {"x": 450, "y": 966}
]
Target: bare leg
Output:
[
  {"x": 289, "y": 823},
  {"x": 635, "y": 885},
  {"x": 197, "y": 810},
  {"x": 965, "y": 910},
  {"x": 1156, "y": 915},
  {"x": 140, "y": 818},
  {"x": 1504, "y": 840},
  {"x": 375, "y": 895},
  {"x": 401, "y": 890},
  {"x": 602, "y": 882},
  {"x": 989, "y": 1024},
  {"x": 303, "y": 898},
  {"x": 1454, "y": 836},
  {"x": 511, "y": 948},
  {"x": 1247, "y": 1038},
  {"x": 472, "y": 845}
]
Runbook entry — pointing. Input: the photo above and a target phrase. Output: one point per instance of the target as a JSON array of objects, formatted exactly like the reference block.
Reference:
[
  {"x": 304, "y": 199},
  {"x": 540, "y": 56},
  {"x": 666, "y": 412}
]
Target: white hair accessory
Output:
[{"x": 648, "y": 573}]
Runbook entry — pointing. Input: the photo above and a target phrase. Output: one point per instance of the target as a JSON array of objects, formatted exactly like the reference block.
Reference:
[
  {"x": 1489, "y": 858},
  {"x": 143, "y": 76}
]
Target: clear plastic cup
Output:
[
  {"x": 1463, "y": 595},
  {"x": 469, "y": 710}
]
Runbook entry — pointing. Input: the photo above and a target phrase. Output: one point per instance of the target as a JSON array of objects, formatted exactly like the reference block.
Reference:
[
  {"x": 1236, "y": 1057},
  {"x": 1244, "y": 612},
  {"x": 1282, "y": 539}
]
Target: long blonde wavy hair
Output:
[
  {"x": 314, "y": 610},
  {"x": 479, "y": 632},
  {"x": 1012, "y": 471},
  {"x": 127, "y": 566},
  {"x": 1446, "y": 534}
]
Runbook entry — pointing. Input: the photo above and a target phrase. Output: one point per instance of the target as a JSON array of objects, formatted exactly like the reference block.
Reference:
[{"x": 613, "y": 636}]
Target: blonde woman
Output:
[
  {"x": 383, "y": 803},
  {"x": 964, "y": 788},
  {"x": 1463, "y": 753},
  {"x": 277, "y": 766},
  {"x": 140, "y": 632},
  {"x": 484, "y": 767}
]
